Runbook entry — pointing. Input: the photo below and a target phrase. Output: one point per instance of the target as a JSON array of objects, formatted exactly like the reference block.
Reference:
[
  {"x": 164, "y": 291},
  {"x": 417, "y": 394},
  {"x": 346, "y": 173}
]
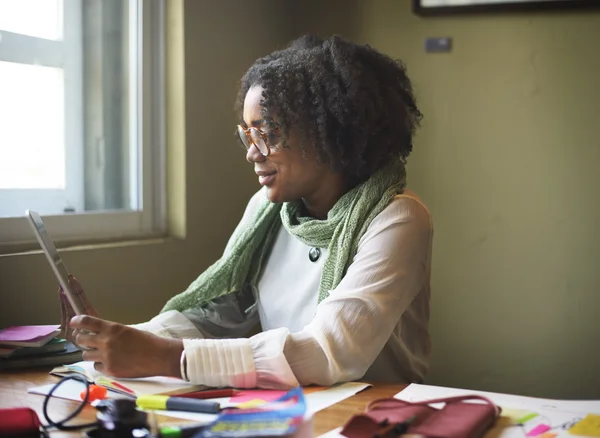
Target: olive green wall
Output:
[{"x": 507, "y": 160}]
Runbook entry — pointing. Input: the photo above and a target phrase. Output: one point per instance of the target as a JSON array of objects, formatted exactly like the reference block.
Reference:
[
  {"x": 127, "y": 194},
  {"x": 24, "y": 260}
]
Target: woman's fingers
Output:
[
  {"x": 86, "y": 340},
  {"x": 92, "y": 356},
  {"x": 99, "y": 366},
  {"x": 88, "y": 323}
]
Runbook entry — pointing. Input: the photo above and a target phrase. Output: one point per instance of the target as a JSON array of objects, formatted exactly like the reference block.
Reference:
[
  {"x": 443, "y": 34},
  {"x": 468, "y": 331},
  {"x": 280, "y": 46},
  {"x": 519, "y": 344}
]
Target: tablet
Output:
[{"x": 56, "y": 263}]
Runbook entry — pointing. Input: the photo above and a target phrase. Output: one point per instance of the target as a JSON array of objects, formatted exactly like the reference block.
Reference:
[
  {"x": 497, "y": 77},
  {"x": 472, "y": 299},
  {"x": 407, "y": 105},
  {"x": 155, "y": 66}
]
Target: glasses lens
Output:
[
  {"x": 259, "y": 141},
  {"x": 243, "y": 137}
]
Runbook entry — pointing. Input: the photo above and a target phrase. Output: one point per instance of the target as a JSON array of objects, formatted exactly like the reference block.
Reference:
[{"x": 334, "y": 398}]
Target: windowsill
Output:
[{"x": 30, "y": 248}]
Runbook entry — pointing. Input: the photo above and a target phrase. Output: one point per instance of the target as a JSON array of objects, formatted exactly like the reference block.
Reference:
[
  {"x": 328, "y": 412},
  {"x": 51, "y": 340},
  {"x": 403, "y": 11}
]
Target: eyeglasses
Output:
[{"x": 254, "y": 136}]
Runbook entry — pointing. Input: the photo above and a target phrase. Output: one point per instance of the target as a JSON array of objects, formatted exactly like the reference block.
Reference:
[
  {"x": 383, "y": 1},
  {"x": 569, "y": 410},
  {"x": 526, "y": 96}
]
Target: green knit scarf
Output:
[{"x": 247, "y": 250}]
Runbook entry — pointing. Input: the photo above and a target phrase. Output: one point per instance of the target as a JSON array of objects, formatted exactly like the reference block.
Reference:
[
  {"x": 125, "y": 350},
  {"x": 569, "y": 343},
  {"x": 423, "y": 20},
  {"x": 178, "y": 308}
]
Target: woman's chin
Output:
[
  {"x": 276, "y": 196},
  {"x": 273, "y": 195}
]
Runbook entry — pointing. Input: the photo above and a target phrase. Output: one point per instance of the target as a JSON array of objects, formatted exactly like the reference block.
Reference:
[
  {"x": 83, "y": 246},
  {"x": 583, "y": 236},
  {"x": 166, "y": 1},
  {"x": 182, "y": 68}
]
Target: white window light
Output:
[{"x": 59, "y": 136}]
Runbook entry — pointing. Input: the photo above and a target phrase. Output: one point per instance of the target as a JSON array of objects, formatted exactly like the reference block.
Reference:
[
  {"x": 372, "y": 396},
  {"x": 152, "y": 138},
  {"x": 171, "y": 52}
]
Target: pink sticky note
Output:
[
  {"x": 26, "y": 332},
  {"x": 538, "y": 430},
  {"x": 266, "y": 395}
]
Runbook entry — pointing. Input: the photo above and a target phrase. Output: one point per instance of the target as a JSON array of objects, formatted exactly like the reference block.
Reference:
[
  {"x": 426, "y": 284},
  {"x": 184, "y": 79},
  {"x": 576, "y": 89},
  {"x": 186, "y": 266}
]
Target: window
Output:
[{"x": 81, "y": 118}]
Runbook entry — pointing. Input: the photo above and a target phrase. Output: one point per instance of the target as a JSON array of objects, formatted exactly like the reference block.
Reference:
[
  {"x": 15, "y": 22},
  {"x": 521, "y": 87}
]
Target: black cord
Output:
[{"x": 61, "y": 424}]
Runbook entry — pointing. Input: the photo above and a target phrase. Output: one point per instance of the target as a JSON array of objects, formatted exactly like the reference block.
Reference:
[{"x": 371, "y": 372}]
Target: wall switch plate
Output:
[{"x": 438, "y": 44}]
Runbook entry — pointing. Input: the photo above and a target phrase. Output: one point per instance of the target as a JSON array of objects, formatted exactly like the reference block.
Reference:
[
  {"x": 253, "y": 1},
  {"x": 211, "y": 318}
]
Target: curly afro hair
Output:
[{"x": 353, "y": 103}]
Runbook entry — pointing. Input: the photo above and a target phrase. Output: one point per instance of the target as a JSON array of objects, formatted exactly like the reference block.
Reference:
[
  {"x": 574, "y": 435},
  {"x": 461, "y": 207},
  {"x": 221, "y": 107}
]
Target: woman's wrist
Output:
[{"x": 174, "y": 350}]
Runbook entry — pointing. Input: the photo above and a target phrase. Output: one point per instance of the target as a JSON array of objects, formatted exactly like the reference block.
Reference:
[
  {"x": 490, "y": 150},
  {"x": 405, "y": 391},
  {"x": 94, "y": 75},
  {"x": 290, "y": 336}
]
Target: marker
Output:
[
  {"x": 166, "y": 403},
  {"x": 186, "y": 431}
]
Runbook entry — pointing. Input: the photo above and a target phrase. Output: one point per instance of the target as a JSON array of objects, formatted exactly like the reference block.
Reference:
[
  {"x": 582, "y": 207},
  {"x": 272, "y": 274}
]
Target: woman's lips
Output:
[{"x": 265, "y": 180}]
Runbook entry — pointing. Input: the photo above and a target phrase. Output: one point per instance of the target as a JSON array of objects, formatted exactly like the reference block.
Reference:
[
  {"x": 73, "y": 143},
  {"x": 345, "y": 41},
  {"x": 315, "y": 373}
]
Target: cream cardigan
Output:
[{"x": 374, "y": 325}]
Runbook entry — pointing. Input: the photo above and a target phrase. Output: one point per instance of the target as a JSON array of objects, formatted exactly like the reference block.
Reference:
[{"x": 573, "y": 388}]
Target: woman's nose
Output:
[{"x": 253, "y": 155}]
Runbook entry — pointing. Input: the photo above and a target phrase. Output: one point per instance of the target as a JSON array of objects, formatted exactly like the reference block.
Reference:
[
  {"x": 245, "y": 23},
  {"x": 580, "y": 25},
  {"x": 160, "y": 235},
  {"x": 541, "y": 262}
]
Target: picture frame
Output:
[{"x": 456, "y": 7}]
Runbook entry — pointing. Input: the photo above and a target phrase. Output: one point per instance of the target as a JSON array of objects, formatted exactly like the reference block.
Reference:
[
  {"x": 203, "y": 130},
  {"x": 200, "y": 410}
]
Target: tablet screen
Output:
[{"x": 56, "y": 263}]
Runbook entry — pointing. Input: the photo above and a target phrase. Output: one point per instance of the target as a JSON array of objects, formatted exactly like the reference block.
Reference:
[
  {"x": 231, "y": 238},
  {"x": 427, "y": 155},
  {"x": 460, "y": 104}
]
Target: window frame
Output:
[
  {"x": 147, "y": 74},
  {"x": 66, "y": 55}
]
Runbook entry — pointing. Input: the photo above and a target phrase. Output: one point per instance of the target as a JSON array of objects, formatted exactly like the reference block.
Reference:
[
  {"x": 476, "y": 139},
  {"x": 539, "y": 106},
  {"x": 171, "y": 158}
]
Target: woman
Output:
[{"x": 332, "y": 256}]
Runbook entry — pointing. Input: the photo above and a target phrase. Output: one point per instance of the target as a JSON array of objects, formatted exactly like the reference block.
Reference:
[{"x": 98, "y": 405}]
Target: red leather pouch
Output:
[
  {"x": 459, "y": 417},
  {"x": 19, "y": 423}
]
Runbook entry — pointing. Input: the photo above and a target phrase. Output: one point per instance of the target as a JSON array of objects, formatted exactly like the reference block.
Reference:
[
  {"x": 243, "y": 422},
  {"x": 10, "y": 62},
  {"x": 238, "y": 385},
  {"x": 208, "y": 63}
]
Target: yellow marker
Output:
[
  {"x": 152, "y": 401},
  {"x": 164, "y": 402}
]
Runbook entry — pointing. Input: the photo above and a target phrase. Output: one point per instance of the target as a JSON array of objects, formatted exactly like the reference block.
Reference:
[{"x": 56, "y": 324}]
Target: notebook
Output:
[
  {"x": 130, "y": 387},
  {"x": 69, "y": 354},
  {"x": 54, "y": 346},
  {"x": 28, "y": 335}
]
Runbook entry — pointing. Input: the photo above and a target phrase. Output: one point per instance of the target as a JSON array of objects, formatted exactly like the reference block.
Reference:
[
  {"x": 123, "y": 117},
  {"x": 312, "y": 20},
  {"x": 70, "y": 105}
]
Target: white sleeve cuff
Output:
[
  {"x": 220, "y": 362},
  {"x": 170, "y": 324},
  {"x": 272, "y": 368},
  {"x": 258, "y": 362}
]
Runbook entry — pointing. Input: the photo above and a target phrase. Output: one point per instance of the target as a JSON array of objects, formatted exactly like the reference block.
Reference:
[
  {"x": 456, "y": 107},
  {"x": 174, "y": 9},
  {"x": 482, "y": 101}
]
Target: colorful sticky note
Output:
[
  {"x": 548, "y": 435},
  {"x": 264, "y": 395},
  {"x": 589, "y": 426},
  {"x": 109, "y": 383},
  {"x": 251, "y": 404},
  {"x": 517, "y": 416},
  {"x": 524, "y": 419},
  {"x": 538, "y": 430}
]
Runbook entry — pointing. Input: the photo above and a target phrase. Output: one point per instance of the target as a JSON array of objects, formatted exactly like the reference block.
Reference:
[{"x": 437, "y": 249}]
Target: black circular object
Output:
[
  {"x": 314, "y": 254},
  {"x": 119, "y": 418}
]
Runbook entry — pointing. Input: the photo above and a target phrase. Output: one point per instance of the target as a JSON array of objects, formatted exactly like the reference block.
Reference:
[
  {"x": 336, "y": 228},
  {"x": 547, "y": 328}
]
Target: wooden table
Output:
[{"x": 14, "y": 384}]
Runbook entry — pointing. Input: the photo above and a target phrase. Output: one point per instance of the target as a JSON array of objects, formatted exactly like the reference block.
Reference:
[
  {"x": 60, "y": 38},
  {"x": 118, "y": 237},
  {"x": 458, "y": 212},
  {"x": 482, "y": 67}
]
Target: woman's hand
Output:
[
  {"x": 66, "y": 309},
  {"x": 122, "y": 351}
]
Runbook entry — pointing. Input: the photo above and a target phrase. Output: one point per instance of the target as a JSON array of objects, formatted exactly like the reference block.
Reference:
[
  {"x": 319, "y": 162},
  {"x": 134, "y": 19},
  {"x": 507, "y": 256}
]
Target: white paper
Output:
[
  {"x": 194, "y": 416},
  {"x": 319, "y": 400},
  {"x": 69, "y": 390}
]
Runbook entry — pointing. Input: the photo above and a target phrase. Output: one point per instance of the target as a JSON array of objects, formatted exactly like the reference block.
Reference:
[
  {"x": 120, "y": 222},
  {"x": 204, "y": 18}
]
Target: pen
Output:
[
  {"x": 212, "y": 393},
  {"x": 115, "y": 386},
  {"x": 122, "y": 387},
  {"x": 166, "y": 403}
]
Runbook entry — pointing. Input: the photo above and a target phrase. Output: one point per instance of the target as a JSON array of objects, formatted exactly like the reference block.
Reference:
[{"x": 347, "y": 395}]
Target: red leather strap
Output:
[
  {"x": 373, "y": 405},
  {"x": 456, "y": 419}
]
